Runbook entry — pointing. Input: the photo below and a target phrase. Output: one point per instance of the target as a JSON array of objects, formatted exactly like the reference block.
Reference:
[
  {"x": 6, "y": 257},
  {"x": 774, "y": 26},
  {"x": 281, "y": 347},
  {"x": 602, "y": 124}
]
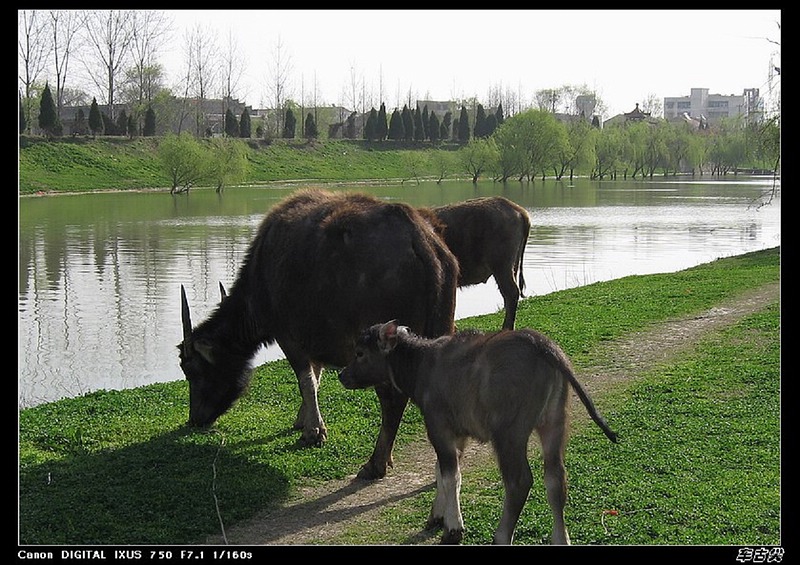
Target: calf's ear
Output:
[{"x": 387, "y": 336}]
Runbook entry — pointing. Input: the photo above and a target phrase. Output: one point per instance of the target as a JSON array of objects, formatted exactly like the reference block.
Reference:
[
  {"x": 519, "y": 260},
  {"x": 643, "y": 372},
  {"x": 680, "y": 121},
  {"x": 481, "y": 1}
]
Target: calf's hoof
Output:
[
  {"x": 434, "y": 523},
  {"x": 452, "y": 537}
]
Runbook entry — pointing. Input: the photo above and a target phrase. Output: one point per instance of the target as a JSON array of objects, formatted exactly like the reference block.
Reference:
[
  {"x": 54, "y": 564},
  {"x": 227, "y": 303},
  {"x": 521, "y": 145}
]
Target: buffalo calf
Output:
[{"x": 493, "y": 387}]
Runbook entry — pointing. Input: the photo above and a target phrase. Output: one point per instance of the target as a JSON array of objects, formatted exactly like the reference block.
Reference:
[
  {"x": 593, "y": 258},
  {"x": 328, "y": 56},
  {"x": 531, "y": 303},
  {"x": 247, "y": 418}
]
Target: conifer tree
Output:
[
  {"x": 350, "y": 126},
  {"x": 121, "y": 125},
  {"x": 311, "y": 131},
  {"x": 426, "y": 122},
  {"x": 419, "y": 129},
  {"x": 433, "y": 127},
  {"x": 149, "y": 122},
  {"x": 382, "y": 128},
  {"x": 95, "y": 119},
  {"x": 463, "y": 126},
  {"x": 397, "y": 131},
  {"x": 490, "y": 125},
  {"x": 48, "y": 116},
  {"x": 499, "y": 117},
  {"x": 370, "y": 127},
  {"x": 231, "y": 125},
  {"x": 480, "y": 122},
  {"x": 244, "y": 124},
  {"x": 408, "y": 124},
  {"x": 444, "y": 129},
  {"x": 289, "y": 125}
]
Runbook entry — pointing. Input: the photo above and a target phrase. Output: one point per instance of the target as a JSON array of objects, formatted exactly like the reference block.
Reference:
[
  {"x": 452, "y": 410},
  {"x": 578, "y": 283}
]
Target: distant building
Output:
[
  {"x": 702, "y": 106},
  {"x": 634, "y": 116}
]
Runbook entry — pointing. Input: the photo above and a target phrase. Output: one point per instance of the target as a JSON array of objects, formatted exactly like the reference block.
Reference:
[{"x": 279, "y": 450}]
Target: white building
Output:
[{"x": 713, "y": 107}]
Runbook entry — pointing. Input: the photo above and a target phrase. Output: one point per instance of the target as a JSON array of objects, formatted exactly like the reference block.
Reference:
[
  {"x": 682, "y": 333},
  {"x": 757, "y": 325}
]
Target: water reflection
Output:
[{"x": 99, "y": 274}]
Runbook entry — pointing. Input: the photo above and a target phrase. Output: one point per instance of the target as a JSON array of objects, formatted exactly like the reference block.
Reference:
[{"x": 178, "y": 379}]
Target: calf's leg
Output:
[
  {"x": 512, "y": 457},
  {"x": 447, "y": 504},
  {"x": 553, "y": 438}
]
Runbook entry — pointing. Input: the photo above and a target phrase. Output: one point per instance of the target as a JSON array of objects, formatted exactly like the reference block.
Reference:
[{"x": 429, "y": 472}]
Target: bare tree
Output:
[
  {"x": 65, "y": 26},
  {"x": 33, "y": 51},
  {"x": 653, "y": 104},
  {"x": 110, "y": 33},
  {"x": 232, "y": 71},
  {"x": 200, "y": 50},
  {"x": 280, "y": 70},
  {"x": 150, "y": 32}
]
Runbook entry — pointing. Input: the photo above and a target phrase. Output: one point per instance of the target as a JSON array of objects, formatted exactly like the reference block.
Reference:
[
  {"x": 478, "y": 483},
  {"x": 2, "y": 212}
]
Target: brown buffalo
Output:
[
  {"x": 322, "y": 267},
  {"x": 488, "y": 237},
  {"x": 495, "y": 387}
]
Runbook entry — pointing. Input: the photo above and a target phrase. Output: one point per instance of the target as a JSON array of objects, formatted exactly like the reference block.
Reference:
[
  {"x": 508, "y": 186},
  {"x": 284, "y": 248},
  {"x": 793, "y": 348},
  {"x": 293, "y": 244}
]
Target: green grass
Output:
[
  {"x": 79, "y": 164},
  {"x": 699, "y": 461}
]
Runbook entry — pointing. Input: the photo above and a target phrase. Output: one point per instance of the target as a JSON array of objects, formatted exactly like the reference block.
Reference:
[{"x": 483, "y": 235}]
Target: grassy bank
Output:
[
  {"x": 80, "y": 164},
  {"x": 700, "y": 461}
]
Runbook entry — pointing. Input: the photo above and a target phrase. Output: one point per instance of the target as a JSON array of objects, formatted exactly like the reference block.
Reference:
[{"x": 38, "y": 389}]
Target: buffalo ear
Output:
[{"x": 387, "y": 336}]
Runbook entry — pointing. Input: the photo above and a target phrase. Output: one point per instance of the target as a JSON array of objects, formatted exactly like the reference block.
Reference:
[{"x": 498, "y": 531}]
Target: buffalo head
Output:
[{"x": 216, "y": 376}]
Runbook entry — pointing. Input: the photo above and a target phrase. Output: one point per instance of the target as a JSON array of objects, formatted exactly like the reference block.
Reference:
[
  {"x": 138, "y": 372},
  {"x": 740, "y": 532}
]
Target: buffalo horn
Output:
[
  {"x": 185, "y": 318},
  {"x": 222, "y": 294}
]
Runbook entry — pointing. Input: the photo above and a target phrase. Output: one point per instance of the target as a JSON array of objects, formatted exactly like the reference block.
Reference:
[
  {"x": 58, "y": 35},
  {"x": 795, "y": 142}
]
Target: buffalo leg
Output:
[
  {"x": 555, "y": 477},
  {"x": 309, "y": 417},
  {"x": 393, "y": 404},
  {"x": 510, "y": 291},
  {"x": 512, "y": 457},
  {"x": 447, "y": 504}
]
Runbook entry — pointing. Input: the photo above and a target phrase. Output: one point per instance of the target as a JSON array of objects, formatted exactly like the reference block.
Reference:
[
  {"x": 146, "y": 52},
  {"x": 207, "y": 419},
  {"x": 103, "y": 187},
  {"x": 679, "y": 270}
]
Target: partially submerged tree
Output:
[
  {"x": 183, "y": 160},
  {"x": 226, "y": 162}
]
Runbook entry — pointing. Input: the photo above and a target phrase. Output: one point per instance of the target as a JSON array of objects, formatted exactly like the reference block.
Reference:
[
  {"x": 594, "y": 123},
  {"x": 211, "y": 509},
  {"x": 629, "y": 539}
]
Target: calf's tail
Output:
[{"x": 587, "y": 402}]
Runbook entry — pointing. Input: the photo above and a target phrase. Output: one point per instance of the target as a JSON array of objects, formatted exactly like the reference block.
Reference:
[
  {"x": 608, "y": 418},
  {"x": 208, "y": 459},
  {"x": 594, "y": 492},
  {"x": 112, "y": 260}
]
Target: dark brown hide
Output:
[
  {"x": 494, "y": 387},
  {"x": 488, "y": 237},
  {"x": 322, "y": 267}
]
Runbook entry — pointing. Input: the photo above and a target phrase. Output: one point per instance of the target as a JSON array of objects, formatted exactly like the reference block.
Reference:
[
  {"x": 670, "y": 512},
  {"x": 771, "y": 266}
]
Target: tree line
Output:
[
  {"x": 115, "y": 53},
  {"x": 529, "y": 145},
  {"x": 535, "y": 144}
]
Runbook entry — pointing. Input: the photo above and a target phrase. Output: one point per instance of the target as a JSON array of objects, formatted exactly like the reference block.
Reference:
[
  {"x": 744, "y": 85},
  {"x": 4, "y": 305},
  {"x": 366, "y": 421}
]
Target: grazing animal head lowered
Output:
[
  {"x": 322, "y": 266},
  {"x": 494, "y": 387}
]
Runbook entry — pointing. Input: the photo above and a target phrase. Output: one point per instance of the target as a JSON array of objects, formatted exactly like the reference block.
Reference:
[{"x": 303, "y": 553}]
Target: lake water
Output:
[{"x": 100, "y": 274}]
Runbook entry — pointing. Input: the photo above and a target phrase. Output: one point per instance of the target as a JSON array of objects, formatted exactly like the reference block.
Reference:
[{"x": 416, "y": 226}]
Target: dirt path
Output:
[{"x": 317, "y": 515}]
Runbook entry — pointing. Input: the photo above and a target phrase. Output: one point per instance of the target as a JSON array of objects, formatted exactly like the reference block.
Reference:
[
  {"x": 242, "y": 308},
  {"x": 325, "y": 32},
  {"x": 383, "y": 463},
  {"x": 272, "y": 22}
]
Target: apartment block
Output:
[{"x": 700, "y": 105}]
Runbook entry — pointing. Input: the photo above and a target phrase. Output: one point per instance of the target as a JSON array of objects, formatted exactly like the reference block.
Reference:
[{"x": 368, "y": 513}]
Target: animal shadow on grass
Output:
[
  {"x": 346, "y": 503},
  {"x": 130, "y": 495}
]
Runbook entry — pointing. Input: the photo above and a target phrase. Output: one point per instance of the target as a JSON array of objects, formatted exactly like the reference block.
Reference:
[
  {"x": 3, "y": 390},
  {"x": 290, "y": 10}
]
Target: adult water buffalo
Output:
[
  {"x": 322, "y": 267},
  {"x": 487, "y": 236}
]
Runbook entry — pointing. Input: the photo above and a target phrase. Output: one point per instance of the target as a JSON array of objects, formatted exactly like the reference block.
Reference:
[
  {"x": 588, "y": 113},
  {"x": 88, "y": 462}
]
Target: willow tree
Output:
[{"x": 529, "y": 144}]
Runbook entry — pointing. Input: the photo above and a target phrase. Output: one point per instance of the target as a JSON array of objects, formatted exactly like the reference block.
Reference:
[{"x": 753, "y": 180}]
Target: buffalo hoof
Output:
[
  {"x": 314, "y": 438},
  {"x": 371, "y": 471},
  {"x": 452, "y": 537}
]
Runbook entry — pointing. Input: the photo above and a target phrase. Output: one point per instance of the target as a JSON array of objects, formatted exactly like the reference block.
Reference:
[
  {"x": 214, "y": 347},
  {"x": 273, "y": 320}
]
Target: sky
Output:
[{"x": 624, "y": 56}]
